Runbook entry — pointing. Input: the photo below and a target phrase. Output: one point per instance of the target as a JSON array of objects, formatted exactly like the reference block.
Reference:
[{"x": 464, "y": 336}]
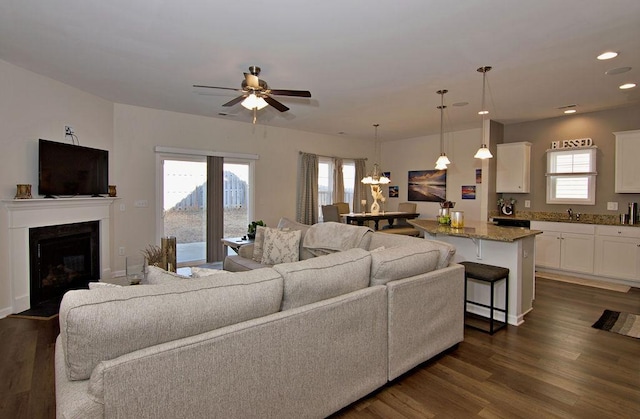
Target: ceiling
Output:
[{"x": 364, "y": 62}]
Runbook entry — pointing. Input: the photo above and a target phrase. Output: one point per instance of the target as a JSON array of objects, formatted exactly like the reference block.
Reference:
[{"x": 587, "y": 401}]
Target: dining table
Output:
[{"x": 360, "y": 218}]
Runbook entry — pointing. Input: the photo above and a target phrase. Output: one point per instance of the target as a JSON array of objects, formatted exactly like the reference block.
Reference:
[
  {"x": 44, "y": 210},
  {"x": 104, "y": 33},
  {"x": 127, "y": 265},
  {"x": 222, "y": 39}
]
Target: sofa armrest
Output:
[
  {"x": 246, "y": 251},
  {"x": 426, "y": 317}
]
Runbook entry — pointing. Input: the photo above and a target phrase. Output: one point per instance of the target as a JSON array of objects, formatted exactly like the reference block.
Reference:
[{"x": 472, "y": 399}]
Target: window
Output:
[
  {"x": 571, "y": 176},
  {"x": 326, "y": 181}
]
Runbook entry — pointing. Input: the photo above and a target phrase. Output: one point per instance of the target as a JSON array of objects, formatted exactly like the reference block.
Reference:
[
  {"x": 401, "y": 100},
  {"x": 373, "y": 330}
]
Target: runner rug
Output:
[{"x": 622, "y": 323}]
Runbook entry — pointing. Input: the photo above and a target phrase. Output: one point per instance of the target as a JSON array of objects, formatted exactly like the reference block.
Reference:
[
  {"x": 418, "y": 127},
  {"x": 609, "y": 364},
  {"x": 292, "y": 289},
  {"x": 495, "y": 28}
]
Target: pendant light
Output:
[
  {"x": 483, "y": 152},
  {"x": 374, "y": 178},
  {"x": 443, "y": 160}
]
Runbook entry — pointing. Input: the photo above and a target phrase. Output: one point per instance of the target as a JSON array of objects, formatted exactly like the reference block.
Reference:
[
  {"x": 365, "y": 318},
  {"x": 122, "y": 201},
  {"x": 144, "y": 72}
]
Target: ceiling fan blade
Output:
[
  {"x": 252, "y": 81},
  {"x": 234, "y": 101},
  {"x": 215, "y": 87},
  {"x": 298, "y": 93},
  {"x": 279, "y": 106}
]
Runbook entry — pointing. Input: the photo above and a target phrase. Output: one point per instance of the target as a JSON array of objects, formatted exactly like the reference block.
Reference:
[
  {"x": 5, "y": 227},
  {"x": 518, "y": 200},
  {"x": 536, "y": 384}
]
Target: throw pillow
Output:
[
  {"x": 280, "y": 246},
  {"x": 96, "y": 285},
  {"x": 258, "y": 244},
  {"x": 156, "y": 276}
]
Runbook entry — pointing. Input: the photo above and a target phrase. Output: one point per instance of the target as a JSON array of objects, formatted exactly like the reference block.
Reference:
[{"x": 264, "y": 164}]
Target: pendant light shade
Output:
[
  {"x": 483, "y": 152},
  {"x": 443, "y": 160},
  {"x": 254, "y": 102}
]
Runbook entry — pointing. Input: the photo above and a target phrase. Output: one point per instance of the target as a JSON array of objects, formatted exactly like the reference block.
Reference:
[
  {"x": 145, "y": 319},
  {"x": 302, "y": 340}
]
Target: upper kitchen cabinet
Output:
[
  {"x": 627, "y": 167},
  {"x": 513, "y": 168}
]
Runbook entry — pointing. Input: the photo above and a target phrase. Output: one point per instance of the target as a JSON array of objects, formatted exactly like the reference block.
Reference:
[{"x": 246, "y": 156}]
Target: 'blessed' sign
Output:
[{"x": 578, "y": 142}]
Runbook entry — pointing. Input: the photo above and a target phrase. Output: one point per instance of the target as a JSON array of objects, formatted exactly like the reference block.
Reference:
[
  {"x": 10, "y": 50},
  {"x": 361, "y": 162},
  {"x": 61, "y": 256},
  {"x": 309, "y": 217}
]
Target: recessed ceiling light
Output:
[
  {"x": 628, "y": 86},
  {"x": 618, "y": 70},
  {"x": 570, "y": 111},
  {"x": 607, "y": 55}
]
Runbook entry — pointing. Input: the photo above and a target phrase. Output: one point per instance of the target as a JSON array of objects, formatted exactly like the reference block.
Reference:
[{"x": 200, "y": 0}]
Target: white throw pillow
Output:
[{"x": 280, "y": 246}]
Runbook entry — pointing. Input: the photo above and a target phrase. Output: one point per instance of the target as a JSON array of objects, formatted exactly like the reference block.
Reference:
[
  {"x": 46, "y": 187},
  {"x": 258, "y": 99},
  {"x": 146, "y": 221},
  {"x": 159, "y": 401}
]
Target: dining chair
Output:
[
  {"x": 343, "y": 207},
  {"x": 330, "y": 213}
]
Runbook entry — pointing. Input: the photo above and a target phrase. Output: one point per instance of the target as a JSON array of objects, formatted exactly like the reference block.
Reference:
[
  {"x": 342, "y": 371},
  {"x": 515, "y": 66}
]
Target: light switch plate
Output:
[
  {"x": 527, "y": 203},
  {"x": 612, "y": 206}
]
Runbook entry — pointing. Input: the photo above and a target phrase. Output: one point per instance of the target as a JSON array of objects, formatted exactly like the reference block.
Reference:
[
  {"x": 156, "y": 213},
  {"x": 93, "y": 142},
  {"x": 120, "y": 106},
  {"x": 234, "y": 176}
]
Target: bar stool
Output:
[{"x": 490, "y": 274}]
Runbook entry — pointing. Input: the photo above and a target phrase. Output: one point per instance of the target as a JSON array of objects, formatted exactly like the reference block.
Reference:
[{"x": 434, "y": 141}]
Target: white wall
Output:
[
  {"x": 33, "y": 107},
  {"x": 400, "y": 157}
]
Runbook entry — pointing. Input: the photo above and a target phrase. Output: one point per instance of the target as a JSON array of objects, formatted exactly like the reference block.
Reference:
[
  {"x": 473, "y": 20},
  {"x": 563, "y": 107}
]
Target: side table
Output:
[{"x": 235, "y": 243}]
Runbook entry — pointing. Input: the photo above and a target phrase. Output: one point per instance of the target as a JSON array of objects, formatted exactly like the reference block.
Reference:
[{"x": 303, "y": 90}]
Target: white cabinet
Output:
[
  {"x": 565, "y": 246},
  {"x": 627, "y": 167},
  {"x": 513, "y": 167},
  {"x": 617, "y": 251}
]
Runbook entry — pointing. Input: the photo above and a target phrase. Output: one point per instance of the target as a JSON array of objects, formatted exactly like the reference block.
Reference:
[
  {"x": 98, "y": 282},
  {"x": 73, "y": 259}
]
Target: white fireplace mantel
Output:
[{"x": 30, "y": 213}]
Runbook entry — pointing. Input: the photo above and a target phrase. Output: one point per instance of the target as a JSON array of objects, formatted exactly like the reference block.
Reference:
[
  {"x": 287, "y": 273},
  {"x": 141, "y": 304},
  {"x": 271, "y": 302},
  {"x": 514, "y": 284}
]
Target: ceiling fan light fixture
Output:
[
  {"x": 607, "y": 55},
  {"x": 252, "y": 101}
]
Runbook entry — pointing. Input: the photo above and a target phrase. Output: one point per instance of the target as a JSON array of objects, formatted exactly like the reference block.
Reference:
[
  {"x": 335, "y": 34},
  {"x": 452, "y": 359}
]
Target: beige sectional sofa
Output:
[{"x": 295, "y": 340}]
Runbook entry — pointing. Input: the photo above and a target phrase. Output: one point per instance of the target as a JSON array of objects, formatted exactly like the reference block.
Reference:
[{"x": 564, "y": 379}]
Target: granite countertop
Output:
[
  {"x": 475, "y": 230},
  {"x": 562, "y": 217}
]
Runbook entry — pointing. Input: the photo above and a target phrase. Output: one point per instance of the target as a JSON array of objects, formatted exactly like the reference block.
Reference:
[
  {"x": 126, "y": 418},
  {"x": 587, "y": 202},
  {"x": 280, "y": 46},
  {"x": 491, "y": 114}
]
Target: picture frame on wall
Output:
[
  {"x": 427, "y": 185},
  {"x": 394, "y": 192}
]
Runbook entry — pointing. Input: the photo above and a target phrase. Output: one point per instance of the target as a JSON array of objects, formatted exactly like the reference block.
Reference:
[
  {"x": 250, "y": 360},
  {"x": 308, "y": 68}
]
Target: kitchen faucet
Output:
[{"x": 570, "y": 212}]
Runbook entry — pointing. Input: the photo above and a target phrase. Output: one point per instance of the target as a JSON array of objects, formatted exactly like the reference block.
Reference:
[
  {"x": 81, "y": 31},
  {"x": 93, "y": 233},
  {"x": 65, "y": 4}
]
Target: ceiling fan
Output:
[{"x": 256, "y": 93}]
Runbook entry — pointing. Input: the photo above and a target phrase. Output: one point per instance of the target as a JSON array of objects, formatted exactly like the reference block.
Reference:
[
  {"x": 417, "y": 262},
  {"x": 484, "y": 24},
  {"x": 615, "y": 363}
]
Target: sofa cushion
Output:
[
  {"x": 280, "y": 246},
  {"x": 287, "y": 224},
  {"x": 98, "y": 285},
  {"x": 236, "y": 263},
  {"x": 400, "y": 262},
  {"x": 317, "y": 279},
  {"x": 155, "y": 276},
  {"x": 105, "y": 323},
  {"x": 393, "y": 240},
  {"x": 197, "y": 272}
]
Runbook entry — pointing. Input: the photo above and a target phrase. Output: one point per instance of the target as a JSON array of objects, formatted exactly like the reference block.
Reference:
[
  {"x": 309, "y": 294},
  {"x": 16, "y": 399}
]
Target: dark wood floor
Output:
[{"x": 554, "y": 365}]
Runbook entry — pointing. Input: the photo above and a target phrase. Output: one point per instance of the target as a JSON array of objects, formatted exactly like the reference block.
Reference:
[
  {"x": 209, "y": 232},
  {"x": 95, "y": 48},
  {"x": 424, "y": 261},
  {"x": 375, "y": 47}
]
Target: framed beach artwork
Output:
[
  {"x": 469, "y": 192},
  {"x": 394, "y": 191},
  {"x": 427, "y": 185}
]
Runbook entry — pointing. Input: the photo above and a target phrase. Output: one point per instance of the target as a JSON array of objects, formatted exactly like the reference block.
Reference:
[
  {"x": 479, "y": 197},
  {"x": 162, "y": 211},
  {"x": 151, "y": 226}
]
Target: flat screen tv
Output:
[{"x": 66, "y": 170}]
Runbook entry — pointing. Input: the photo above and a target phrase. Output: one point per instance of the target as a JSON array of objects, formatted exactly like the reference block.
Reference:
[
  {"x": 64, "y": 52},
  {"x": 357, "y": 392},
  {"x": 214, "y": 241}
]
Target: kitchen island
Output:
[{"x": 509, "y": 247}]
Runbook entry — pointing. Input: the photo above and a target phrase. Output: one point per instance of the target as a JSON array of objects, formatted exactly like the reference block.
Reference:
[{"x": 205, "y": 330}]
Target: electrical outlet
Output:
[
  {"x": 68, "y": 130},
  {"x": 612, "y": 206},
  {"x": 527, "y": 203},
  {"x": 121, "y": 251}
]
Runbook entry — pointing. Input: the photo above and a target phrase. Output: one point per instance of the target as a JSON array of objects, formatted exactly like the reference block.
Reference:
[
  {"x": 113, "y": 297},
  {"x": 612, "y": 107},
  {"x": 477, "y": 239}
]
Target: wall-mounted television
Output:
[{"x": 66, "y": 170}]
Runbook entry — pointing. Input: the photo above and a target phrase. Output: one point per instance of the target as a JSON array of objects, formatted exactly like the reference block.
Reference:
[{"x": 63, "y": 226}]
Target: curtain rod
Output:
[{"x": 334, "y": 157}]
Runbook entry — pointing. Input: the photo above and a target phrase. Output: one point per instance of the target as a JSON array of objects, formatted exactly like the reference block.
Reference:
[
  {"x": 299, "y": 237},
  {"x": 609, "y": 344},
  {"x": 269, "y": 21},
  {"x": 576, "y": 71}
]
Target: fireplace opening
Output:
[{"x": 62, "y": 258}]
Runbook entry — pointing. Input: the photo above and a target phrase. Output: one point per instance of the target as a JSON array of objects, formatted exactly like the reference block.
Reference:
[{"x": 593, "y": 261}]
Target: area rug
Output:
[{"x": 622, "y": 323}]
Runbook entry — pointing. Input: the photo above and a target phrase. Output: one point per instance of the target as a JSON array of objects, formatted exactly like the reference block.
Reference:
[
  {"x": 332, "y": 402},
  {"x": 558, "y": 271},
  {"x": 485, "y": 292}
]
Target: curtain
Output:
[
  {"x": 359, "y": 188},
  {"x": 307, "y": 194},
  {"x": 215, "y": 208},
  {"x": 338, "y": 180}
]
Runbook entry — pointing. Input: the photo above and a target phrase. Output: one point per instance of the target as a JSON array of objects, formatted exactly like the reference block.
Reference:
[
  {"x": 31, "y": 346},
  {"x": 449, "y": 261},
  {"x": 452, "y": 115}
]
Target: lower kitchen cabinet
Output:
[
  {"x": 565, "y": 246},
  {"x": 617, "y": 252}
]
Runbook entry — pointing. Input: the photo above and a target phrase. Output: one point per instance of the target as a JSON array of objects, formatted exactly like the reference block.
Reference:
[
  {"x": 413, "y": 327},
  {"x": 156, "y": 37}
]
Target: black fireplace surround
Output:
[{"x": 63, "y": 257}]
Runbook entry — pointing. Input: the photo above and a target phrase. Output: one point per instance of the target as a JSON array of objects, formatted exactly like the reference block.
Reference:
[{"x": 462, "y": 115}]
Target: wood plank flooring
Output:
[{"x": 553, "y": 366}]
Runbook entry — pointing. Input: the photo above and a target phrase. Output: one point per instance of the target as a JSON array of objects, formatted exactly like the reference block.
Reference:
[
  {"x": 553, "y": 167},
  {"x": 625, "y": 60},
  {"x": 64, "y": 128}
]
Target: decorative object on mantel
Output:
[
  {"x": 112, "y": 191},
  {"x": 23, "y": 191},
  {"x": 483, "y": 152},
  {"x": 507, "y": 206},
  {"x": 168, "y": 245}
]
